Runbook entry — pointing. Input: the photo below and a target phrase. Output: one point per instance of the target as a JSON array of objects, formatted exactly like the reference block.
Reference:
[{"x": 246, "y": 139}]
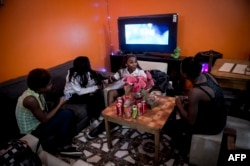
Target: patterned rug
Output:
[{"x": 130, "y": 147}]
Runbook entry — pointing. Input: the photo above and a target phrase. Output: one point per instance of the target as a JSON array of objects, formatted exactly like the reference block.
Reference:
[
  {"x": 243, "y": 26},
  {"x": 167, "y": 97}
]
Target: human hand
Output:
[
  {"x": 178, "y": 101},
  {"x": 62, "y": 100},
  {"x": 105, "y": 83},
  {"x": 111, "y": 79},
  {"x": 185, "y": 100},
  {"x": 67, "y": 96},
  {"x": 100, "y": 86}
]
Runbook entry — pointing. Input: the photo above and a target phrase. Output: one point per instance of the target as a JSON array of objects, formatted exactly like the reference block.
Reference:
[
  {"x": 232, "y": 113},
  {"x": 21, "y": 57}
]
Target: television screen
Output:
[
  {"x": 152, "y": 33},
  {"x": 146, "y": 34}
]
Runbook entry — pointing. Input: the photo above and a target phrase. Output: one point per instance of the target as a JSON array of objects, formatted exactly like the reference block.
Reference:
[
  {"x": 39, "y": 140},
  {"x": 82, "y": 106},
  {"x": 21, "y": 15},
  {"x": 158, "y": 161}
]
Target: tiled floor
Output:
[{"x": 130, "y": 147}]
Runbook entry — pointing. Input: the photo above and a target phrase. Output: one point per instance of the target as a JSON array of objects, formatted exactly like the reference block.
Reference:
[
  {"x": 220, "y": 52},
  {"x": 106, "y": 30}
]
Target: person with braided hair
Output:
[{"x": 85, "y": 86}]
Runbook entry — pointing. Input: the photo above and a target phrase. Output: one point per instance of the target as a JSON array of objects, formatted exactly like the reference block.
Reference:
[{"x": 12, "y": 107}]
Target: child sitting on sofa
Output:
[
  {"x": 85, "y": 85},
  {"x": 130, "y": 66},
  {"x": 33, "y": 116}
]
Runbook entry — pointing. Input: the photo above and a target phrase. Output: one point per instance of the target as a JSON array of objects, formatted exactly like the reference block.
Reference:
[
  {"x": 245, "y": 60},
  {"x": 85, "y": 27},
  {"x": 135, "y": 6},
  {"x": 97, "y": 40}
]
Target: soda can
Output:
[
  {"x": 140, "y": 109},
  {"x": 119, "y": 109},
  {"x": 119, "y": 100},
  {"x": 134, "y": 111},
  {"x": 144, "y": 106},
  {"x": 126, "y": 101},
  {"x": 127, "y": 112}
]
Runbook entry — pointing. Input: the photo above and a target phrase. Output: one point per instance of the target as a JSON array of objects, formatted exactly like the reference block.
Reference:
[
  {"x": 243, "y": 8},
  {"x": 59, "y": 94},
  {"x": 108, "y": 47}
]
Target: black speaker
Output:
[{"x": 208, "y": 56}]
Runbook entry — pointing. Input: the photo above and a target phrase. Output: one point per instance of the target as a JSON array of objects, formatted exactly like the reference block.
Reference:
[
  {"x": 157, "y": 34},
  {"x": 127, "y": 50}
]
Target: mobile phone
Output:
[{"x": 67, "y": 96}]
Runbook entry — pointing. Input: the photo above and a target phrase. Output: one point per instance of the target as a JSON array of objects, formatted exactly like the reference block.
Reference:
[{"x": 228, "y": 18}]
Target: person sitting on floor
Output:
[
  {"x": 33, "y": 116},
  {"x": 202, "y": 111},
  {"x": 85, "y": 85}
]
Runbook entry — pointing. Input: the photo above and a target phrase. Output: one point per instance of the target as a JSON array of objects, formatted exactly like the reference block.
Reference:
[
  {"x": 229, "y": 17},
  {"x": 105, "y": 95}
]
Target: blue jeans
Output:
[{"x": 60, "y": 127}]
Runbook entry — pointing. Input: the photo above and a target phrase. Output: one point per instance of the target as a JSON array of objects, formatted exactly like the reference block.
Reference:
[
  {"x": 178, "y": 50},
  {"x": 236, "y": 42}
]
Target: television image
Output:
[{"x": 148, "y": 34}]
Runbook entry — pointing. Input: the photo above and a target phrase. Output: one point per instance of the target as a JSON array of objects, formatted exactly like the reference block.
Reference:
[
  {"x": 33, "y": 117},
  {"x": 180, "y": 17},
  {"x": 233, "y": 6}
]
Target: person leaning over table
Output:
[
  {"x": 33, "y": 116},
  {"x": 202, "y": 111}
]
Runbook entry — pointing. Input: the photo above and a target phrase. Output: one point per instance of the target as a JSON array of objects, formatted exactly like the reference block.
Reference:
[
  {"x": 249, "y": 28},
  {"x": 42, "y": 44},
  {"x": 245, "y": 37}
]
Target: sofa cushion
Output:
[
  {"x": 58, "y": 74},
  {"x": 9, "y": 93},
  {"x": 82, "y": 119}
]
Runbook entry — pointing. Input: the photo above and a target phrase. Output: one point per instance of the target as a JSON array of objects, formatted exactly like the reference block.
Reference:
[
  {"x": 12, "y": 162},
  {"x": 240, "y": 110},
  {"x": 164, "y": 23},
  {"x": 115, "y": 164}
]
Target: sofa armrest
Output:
[
  {"x": 32, "y": 141},
  {"x": 115, "y": 85},
  {"x": 46, "y": 158}
]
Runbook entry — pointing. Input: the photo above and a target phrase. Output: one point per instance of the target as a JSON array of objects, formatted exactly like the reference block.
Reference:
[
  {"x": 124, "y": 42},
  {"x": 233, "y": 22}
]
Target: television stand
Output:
[{"x": 162, "y": 55}]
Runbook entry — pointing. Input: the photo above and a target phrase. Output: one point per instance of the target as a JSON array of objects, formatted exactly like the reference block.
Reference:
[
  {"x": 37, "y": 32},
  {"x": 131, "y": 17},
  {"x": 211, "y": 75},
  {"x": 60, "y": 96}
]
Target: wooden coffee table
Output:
[{"x": 152, "y": 121}]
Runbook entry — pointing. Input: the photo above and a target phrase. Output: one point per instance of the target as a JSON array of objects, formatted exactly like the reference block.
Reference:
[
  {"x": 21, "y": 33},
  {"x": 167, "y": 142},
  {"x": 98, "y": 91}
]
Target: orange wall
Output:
[
  {"x": 221, "y": 25},
  {"x": 44, "y": 33}
]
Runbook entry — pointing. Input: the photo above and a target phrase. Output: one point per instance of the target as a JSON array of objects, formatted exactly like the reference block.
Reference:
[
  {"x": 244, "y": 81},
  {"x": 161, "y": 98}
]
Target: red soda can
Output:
[
  {"x": 126, "y": 101},
  {"x": 144, "y": 106},
  {"x": 127, "y": 112},
  {"x": 119, "y": 100},
  {"x": 119, "y": 109},
  {"x": 140, "y": 109}
]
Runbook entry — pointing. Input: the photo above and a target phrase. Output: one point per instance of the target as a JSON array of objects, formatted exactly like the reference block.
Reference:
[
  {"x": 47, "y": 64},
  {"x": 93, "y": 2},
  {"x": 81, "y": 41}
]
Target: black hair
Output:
[
  {"x": 81, "y": 67},
  {"x": 191, "y": 67},
  {"x": 38, "y": 78},
  {"x": 125, "y": 60}
]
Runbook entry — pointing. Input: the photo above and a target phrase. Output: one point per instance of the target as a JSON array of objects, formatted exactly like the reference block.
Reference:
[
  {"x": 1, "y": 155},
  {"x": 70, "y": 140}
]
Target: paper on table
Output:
[
  {"x": 248, "y": 70},
  {"x": 239, "y": 69},
  {"x": 227, "y": 67}
]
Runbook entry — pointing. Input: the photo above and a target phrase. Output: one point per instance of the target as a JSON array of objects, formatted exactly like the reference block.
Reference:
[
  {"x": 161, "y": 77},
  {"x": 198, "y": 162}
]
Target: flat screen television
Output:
[{"x": 148, "y": 33}]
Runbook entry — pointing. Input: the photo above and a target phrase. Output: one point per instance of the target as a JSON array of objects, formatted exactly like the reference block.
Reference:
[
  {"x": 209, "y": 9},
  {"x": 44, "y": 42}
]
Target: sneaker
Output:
[
  {"x": 94, "y": 133},
  {"x": 100, "y": 118},
  {"x": 71, "y": 151},
  {"x": 94, "y": 123}
]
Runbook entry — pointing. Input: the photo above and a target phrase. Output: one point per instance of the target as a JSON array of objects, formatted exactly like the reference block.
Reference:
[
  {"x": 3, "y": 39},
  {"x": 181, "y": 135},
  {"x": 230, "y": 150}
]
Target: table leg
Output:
[
  {"x": 108, "y": 133},
  {"x": 157, "y": 145}
]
